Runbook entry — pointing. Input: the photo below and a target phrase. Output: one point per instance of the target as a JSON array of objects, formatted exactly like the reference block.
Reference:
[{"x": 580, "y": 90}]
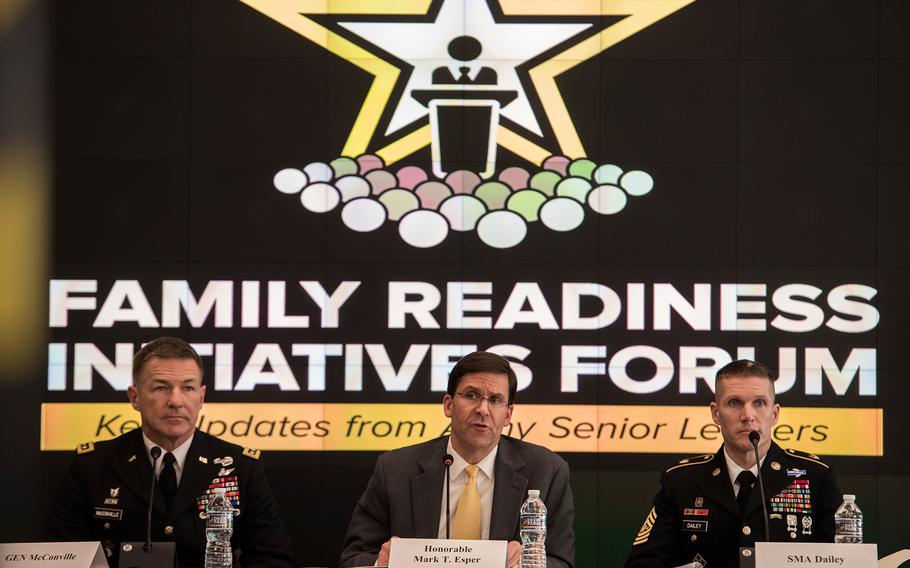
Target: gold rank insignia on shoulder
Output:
[
  {"x": 645, "y": 532},
  {"x": 692, "y": 461},
  {"x": 251, "y": 453},
  {"x": 86, "y": 448},
  {"x": 805, "y": 456}
]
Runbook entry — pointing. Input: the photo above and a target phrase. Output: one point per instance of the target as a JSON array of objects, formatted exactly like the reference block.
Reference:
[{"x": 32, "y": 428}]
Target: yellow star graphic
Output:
[{"x": 639, "y": 14}]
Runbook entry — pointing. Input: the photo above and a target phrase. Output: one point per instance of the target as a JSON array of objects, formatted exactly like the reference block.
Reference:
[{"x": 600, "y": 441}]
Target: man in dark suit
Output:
[
  {"x": 105, "y": 494},
  {"x": 490, "y": 477},
  {"x": 710, "y": 505}
]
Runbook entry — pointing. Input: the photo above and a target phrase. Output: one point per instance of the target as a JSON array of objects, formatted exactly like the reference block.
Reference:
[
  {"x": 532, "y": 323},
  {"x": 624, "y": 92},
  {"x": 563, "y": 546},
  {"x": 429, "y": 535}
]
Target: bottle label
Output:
[
  {"x": 220, "y": 520},
  {"x": 533, "y": 522}
]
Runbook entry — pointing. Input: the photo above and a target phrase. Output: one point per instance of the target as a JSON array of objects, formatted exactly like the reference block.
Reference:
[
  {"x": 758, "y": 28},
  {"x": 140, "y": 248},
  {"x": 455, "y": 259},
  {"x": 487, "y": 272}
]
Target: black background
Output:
[{"x": 776, "y": 132}]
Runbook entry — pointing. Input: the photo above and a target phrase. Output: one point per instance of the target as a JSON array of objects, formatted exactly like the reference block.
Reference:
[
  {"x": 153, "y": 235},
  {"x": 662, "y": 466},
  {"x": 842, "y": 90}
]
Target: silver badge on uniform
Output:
[
  {"x": 791, "y": 525},
  {"x": 225, "y": 471},
  {"x": 807, "y": 525},
  {"x": 226, "y": 461}
]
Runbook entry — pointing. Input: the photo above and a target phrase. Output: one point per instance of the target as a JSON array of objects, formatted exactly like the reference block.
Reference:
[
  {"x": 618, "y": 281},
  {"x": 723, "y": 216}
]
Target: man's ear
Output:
[
  {"x": 133, "y": 395},
  {"x": 714, "y": 413}
]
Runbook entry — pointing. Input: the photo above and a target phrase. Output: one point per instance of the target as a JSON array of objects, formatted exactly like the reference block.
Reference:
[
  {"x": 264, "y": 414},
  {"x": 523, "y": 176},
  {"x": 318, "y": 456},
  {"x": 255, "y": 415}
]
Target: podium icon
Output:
[{"x": 464, "y": 111}]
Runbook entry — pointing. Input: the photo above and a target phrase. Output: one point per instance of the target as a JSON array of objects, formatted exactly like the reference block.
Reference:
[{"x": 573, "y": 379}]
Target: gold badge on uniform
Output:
[
  {"x": 701, "y": 560},
  {"x": 203, "y": 459},
  {"x": 645, "y": 532},
  {"x": 699, "y": 502},
  {"x": 775, "y": 466},
  {"x": 112, "y": 500}
]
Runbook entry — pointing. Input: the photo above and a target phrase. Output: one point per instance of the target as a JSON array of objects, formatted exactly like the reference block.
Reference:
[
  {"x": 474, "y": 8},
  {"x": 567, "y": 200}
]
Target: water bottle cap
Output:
[
  {"x": 849, "y": 497},
  {"x": 533, "y": 492}
]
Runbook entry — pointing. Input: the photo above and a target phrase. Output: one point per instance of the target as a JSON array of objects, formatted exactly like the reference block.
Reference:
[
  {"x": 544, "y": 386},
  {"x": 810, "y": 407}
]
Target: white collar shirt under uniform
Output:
[
  {"x": 179, "y": 455},
  {"x": 486, "y": 479},
  {"x": 734, "y": 470}
]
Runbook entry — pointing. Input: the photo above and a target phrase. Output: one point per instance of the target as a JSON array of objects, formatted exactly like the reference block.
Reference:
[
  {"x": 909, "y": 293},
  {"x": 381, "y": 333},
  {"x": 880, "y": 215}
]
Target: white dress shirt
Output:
[
  {"x": 733, "y": 470},
  {"x": 486, "y": 479},
  {"x": 179, "y": 454}
]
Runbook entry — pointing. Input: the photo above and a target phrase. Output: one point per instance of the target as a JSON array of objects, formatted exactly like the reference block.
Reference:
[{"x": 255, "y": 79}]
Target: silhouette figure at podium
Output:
[
  {"x": 464, "y": 107},
  {"x": 464, "y": 49}
]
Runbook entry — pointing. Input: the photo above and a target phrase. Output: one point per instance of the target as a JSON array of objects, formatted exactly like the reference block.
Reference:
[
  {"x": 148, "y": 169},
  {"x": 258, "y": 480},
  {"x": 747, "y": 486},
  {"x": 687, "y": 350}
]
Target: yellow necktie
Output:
[{"x": 466, "y": 523}]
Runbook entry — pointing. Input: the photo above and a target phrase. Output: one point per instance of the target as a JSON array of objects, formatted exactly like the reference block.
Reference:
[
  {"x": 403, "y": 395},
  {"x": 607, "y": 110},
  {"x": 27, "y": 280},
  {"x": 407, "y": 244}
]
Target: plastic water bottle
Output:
[
  {"x": 848, "y": 522},
  {"x": 219, "y": 525},
  {"x": 533, "y": 531}
]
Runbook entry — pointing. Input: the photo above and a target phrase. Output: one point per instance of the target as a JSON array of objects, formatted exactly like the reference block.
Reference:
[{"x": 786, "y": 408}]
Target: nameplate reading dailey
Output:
[
  {"x": 426, "y": 552},
  {"x": 56, "y": 554},
  {"x": 800, "y": 555}
]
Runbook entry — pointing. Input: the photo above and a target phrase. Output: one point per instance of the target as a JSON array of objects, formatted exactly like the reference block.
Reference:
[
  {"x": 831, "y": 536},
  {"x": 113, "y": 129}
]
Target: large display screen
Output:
[{"x": 334, "y": 201}]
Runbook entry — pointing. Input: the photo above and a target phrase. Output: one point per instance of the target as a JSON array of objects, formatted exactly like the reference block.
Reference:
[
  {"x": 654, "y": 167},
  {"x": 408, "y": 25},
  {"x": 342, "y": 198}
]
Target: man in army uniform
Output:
[
  {"x": 709, "y": 506},
  {"x": 105, "y": 494}
]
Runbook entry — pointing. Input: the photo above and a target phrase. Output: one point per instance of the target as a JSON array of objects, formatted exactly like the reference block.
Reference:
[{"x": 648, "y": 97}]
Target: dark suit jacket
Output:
[
  {"x": 404, "y": 497},
  {"x": 695, "y": 513},
  {"x": 105, "y": 497}
]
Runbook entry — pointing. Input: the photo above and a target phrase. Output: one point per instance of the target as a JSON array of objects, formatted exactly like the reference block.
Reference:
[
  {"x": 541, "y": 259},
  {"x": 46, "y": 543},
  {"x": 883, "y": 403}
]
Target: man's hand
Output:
[
  {"x": 514, "y": 553},
  {"x": 384, "y": 552}
]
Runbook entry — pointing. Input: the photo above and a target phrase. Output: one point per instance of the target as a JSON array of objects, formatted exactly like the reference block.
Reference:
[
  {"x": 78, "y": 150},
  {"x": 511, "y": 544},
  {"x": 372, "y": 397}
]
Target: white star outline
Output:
[{"x": 424, "y": 46}]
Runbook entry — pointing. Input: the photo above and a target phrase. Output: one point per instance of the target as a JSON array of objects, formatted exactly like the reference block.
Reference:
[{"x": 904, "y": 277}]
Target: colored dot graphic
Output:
[{"x": 369, "y": 194}]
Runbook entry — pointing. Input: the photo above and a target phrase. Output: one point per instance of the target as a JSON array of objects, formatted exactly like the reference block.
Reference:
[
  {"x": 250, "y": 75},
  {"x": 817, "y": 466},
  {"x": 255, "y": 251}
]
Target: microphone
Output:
[
  {"x": 447, "y": 461},
  {"x": 155, "y": 453},
  {"x": 754, "y": 437}
]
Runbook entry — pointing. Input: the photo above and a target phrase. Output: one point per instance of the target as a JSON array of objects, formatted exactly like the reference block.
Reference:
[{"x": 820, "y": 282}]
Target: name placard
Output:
[
  {"x": 427, "y": 552},
  {"x": 815, "y": 555},
  {"x": 52, "y": 554}
]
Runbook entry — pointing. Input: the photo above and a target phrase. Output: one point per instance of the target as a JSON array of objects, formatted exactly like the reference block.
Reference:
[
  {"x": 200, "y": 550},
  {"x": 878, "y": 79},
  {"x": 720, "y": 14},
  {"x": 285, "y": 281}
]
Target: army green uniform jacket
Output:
[
  {"x": 695, "y": 516},
  {"x": 105, "y": 494}
]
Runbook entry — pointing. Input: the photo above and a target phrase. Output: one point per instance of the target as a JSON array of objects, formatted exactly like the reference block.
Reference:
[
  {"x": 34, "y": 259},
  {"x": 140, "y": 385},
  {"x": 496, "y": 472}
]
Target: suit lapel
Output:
[
  {"x": 196, "y": 475},
  {"x": 134, "y": 468},
  {"x": 718, "y": 488},
  {"x": 509, "y": 491},
  {"x": 426, "y": 491}
]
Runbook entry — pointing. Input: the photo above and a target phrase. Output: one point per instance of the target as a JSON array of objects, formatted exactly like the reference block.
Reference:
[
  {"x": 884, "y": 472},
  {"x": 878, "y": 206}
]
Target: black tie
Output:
[
  {"x": 745, "y": 479},
  {"x": 168, "y": 479}
]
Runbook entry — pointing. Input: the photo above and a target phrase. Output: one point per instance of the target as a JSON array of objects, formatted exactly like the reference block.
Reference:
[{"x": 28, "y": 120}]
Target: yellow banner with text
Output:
[{"x": 560, "y": 427}]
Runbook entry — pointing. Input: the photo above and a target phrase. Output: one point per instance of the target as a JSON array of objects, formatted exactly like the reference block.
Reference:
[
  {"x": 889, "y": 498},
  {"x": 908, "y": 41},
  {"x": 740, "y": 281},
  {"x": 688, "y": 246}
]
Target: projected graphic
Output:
[
  {"x": 465, "y": 82},
  {"x": 426, "y": 209}
]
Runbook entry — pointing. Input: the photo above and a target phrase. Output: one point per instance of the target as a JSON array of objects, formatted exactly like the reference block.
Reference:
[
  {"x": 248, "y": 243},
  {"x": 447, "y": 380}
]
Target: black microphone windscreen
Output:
[
  {"x": 754, "y": 436},
  {"x": 156, "y": 453},
  {"x": 448, "y": 460}
]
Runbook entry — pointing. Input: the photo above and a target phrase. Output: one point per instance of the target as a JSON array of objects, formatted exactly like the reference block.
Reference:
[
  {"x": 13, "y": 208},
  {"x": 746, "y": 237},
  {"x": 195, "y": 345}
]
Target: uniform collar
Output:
[
  {"x": 179, "y": 452},
  {"x": 733, "y": 469}
]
